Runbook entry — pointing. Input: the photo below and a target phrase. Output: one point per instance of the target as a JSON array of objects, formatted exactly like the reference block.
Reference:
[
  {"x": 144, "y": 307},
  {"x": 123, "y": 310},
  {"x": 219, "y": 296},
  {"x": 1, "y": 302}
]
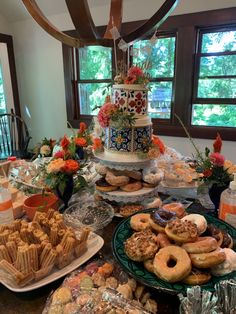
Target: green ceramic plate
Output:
[{"x": 137, "y": 271}]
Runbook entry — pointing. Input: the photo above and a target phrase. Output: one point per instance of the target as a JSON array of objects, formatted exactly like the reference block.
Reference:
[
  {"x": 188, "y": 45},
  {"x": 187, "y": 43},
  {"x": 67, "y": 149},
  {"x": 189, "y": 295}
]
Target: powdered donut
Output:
[
  {"x": 153, "y": 175},
  {"x": 171, "y": 273},
  {"x": 199, "y": 220},
  {"x": 140, "y": 222},
  {"x": 227, "y": 266}
]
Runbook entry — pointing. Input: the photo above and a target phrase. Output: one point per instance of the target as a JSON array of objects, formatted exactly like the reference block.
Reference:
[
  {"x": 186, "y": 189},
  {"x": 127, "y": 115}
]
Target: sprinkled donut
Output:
[{"x": 199, "y": 220}]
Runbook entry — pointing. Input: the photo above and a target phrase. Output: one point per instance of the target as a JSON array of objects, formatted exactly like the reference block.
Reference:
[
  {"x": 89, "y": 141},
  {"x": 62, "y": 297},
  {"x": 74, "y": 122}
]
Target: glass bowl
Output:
[{"x": 95, "y": 215}]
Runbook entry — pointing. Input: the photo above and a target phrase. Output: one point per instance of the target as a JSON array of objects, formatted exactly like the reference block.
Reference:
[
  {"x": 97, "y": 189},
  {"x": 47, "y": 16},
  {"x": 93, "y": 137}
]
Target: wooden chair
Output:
[{"x": 14, "y": 136}]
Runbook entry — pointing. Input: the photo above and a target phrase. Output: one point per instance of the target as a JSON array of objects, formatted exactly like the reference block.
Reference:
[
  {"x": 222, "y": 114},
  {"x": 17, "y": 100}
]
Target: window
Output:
[
  {"x": 94, "y": 77},
  {"x": 215, "y": 88},
  {"x": 161, "y": 56},
  {"x": 192, "y": 75}
]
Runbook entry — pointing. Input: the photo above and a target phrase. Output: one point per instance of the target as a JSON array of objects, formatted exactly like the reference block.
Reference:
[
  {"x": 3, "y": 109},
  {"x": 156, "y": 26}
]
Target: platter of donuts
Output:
[{"x": 171, "y": 250}]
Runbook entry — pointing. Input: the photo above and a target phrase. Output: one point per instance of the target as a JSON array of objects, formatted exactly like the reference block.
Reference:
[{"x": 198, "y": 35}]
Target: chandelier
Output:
[{"x": 87, "y": 32}]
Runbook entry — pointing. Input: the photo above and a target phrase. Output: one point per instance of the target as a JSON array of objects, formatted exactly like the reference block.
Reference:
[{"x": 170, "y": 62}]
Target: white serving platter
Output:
[{"x": 95, "y": 243}]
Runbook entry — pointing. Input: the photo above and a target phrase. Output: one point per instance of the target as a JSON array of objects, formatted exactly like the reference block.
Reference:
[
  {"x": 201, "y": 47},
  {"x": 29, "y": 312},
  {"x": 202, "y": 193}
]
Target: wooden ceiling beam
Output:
[
  {"x": 82, "y": 19},
  {"x": 41, "y": 19},
  {"x": 116, "y": 14},
  {"x": 155, "y": 21}
]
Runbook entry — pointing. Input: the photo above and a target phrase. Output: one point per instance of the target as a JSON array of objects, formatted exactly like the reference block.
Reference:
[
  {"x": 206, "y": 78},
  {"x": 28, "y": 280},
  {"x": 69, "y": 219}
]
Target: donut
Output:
[
  {"x": 181, "y": 231},
  {"x": 199, "y": 220},
  {"x": 215, "y": 232},
  {"x": 148, "y": 264},
  {"x": 197, "y": 277},
  {"x": 148, "y": 185},
  {"x": 153, "y": 175},
  {"x": 101, "y": 169},
  {"x": 132, "y": 186},
  {"x": 172, "y": 273},
  {"x": 141, "y": 246},
  {"x": 227, "y": 266},
  {"x": 102, "y": 185},
  {"x": 134, "y": 174},
  {"x": 208, "y": 260},
  {"x": 227, "y": 240},
  {"x": 140, "y": 222},
  {"x": 114, "y": 179},
  {"x": 130, "y": 209},
  {"x": 154, "y": 204},
  {"x": 202, "y": 245},
  {"x": 163, "y": 240},
  {"x": 175, "y": 207},
  {"x": 159, "y": 219}
]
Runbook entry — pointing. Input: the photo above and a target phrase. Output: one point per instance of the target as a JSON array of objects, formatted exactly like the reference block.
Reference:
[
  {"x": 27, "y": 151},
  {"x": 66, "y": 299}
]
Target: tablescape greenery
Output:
[{"x": 140, "y": 273}]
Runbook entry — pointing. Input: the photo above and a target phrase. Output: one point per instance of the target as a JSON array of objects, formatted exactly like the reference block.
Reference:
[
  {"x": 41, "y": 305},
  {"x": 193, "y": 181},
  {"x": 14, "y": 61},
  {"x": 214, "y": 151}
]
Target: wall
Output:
[
  {"x": 40, "y": 69},
  {"x": 5, "y": 27}
]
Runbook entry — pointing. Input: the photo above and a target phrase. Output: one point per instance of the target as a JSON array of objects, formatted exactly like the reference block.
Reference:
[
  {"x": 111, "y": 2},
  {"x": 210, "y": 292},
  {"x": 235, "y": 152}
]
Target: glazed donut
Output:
[
  {"x": 102, "y": 185},
  {"x": 163, "y": 240},
  {"x": 181, "y": 231},
  {"x": 148, "y": 264},
  {"x": 197, "y": 277},
  {"x": 170, "y": 273},
  {"x": 199, "y": 220},
  {"x": 141, "y": 246},
  {"x": 159, "y": 219},
  {"x": 101, "y": 169},
  {"x": 154, "y": 204},
  {"x": 208, "y": 260},
  {"x": 176, "y": 207},
  {"x": 132, "y": 186},
  {"x": 140, "y": 222},
  {"x": 227, "y": 266},
  {"x": 134, "y": 174},
  {"x": 116, "y": 180},
  {"x": 202, "y": 245},
  {"x": 215, "y": 232},
  {"x": 153, "y": 175}
]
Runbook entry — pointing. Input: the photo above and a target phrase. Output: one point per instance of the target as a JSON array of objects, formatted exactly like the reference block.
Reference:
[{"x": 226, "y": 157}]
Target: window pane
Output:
[
  {"x": 220, "y": 65},
  {"x": 95, "y": 62},
  {"x": 219, "y": 41},
  {"x": 161, "y": 56},
  {"x": 214, "y": 115},
  {"x": 159, "y": 100},
  {"x": 92, "y": 95},
  {"x": 217, "y": 88},
  {"x": 2, "y": 96}
]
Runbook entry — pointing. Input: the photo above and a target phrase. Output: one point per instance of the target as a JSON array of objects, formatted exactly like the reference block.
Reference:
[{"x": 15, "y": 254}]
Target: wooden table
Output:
[{"x": 33, "y": 302}]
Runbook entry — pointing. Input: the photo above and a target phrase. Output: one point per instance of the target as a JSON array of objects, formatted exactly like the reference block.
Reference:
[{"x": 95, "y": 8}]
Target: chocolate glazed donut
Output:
[{"x": 160, "y": 218}]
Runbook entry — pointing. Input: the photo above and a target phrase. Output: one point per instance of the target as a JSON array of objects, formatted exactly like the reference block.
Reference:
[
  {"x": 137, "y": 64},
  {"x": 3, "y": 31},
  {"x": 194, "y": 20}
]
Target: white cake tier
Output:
[{"x": 132, "y": 98}]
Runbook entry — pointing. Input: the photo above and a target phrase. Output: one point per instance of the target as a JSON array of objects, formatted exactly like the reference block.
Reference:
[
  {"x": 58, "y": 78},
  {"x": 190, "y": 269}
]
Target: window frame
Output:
[{"x": 187, "y": 28}]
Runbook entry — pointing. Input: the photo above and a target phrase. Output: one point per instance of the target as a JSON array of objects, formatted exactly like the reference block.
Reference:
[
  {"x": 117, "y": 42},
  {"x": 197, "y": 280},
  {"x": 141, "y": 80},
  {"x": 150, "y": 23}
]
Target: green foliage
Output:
[
  {"x": 121, "y": 119},
  {"x": 2, "y": 96}
]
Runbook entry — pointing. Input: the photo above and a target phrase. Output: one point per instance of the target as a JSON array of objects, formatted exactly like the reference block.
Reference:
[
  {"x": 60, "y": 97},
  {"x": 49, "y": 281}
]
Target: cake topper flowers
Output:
[{"x": 134, "y": 75}]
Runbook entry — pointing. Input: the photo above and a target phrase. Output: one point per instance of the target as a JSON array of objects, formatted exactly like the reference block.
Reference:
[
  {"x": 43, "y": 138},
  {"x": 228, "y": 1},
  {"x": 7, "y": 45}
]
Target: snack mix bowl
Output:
[{"x": 95, "y": 215}]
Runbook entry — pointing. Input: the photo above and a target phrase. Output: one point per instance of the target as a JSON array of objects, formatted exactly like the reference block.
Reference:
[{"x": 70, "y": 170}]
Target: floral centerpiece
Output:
[{"x": 44, "y": 148}]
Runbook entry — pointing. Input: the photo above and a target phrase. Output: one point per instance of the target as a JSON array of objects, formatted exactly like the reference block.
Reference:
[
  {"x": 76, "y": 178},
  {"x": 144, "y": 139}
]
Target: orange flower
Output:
[
  {"x": 97, "y": 143},
  {"x": 55, "y": 165},
  {"x": 65, "y": 142},
  {"x": 217, "y": 144},
  {"x": 80, "y": 141},
  {"x": 82, "y": 127},
  {"x": 156, "y": 141},
  {"x": 71, "y": 166}
]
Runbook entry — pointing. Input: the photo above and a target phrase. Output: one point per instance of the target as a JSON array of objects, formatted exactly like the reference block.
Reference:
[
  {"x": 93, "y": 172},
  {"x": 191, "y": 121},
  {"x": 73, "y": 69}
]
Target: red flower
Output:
[
  {"x": 82, "y": 127},
  {"x": 135, "y": 71},
  {"x": 207, "y": 173},
  {"x": 59, "y": 154},
  {"x": 157, "y": 142},
  {"x": 71, "y": 166},
  {"x": 217, "y": 144},
  {"x": 80, "y": 141},
  {"x": 130, "y": 79},
  {"x": 97, "y": 143},
  {"x": 65, "y": 143},
  {"x": 217, "y": 159}
]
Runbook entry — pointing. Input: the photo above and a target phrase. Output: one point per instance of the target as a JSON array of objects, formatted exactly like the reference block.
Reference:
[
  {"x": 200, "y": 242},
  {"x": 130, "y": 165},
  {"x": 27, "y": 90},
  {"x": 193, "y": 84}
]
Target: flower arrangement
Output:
[
  {"x": 44, "y": 148},
  {"x": 135, "y": 75}
]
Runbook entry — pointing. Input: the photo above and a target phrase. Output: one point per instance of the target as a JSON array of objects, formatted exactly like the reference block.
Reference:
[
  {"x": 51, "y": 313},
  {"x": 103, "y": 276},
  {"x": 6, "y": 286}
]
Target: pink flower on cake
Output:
[
  {"x": 135, "y": 71},
  {"x": 105, "y": 114},
  {"x": 217, "y": 159}
]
